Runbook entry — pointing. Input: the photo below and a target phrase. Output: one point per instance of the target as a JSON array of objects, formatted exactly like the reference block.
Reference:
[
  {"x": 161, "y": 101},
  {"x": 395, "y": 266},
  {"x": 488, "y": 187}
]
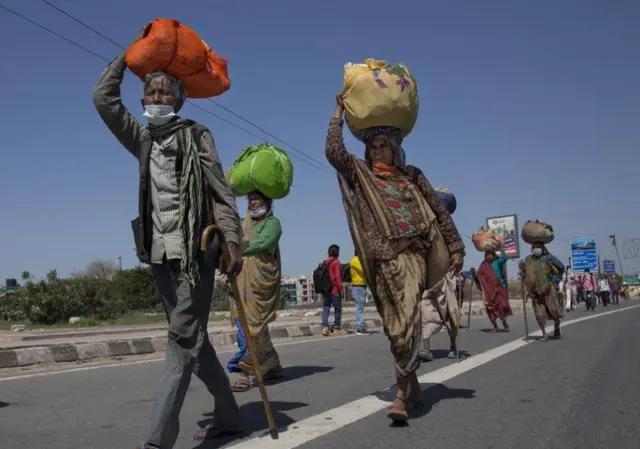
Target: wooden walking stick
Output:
[
  {"x": 476, "y": 282},
  {"x": 207, "y": 236},
  {"x": 524, "y": 301},
  {"x": 469, "y": 315}
]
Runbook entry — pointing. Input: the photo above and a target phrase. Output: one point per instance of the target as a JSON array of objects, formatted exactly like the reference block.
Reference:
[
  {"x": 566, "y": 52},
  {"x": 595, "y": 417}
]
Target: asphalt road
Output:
[{"x": 580, "y": 392}]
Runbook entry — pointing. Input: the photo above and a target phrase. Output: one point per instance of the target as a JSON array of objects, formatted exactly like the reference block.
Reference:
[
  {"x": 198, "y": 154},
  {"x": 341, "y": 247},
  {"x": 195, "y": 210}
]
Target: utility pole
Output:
[{"x": 615, "y": 246}]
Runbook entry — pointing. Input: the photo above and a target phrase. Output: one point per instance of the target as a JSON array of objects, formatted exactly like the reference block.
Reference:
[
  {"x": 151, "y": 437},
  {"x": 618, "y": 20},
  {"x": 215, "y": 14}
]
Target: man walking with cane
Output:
[{"x": 182, "y": 190}]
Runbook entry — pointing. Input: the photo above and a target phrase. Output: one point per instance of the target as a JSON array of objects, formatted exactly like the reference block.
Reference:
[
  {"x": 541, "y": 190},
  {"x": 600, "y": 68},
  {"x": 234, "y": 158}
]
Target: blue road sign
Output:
[
  {"x": 609, "y": 266},
  {"x": 584, "y": 254}
]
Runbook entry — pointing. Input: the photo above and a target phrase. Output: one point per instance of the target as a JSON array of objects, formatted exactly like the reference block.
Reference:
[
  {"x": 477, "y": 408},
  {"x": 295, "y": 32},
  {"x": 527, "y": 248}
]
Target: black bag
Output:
[
  {"x": 321, "y": 280},
  {"x": 346, "y": 272}
]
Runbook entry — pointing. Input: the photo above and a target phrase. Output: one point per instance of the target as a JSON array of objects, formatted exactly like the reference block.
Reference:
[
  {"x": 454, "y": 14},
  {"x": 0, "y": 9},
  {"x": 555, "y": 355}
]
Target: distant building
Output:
[{"x": 299, "y": 289}]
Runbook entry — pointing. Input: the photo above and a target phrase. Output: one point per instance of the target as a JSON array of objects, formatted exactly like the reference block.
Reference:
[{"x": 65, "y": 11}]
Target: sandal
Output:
[
  {"x": 397, "y": 414},
  {"x": 212, "y": 431},
  {"x": 241, "y": 384}
]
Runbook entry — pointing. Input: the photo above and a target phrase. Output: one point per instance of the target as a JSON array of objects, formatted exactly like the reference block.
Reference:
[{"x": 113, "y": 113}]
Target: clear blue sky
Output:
[{"x": 530, "y": 107}]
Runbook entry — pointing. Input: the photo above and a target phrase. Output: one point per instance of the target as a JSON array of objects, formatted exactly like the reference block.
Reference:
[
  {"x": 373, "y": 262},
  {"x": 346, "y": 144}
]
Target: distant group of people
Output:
[{"x": 591, "y": 289}]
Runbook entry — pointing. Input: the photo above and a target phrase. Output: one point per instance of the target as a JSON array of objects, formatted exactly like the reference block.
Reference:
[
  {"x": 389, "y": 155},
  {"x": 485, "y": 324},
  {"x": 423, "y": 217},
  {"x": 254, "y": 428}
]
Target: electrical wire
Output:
[
  {"x": 49, "y": 30},
  {"x": 309, "y": 159},
  {"x": 104, "y": 36},
  {"x": 316, "y": 162},
  {"x": 104, "y": 58},
  {"x": 249, "y": 122}
]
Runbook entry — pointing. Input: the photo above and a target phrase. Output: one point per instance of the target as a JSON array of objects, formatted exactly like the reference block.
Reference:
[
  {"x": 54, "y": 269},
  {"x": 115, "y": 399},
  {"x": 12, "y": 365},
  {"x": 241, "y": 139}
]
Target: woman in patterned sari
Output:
[
  {"x": 406, "y": 239},
  {"x": 259, "y": 285}
]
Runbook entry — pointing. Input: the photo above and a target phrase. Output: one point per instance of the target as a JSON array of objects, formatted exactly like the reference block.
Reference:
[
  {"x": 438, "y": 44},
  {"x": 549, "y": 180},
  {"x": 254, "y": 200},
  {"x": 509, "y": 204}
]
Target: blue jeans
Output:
[
  {"x": 359, "y": 295},
  {"x": 327, "y": 300},
  {"x": 232, "y": 364}
]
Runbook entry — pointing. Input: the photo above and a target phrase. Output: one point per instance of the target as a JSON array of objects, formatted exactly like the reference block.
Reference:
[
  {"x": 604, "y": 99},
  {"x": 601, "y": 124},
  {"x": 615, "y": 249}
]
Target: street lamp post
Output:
[{"x": 615, "y": 246}]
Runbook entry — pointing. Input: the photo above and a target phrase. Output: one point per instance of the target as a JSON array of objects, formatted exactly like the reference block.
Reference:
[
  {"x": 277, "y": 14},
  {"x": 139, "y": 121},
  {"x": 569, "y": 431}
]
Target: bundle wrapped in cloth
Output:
[
  {"x": 535, "y": 231},
  {"x": 487, "y": 240},
  {"x": 264, "y": 168},
  {"x": 377, "y": 93},
  {"x": 176, "y": 49},
  {"x": 447, "y": 198}
]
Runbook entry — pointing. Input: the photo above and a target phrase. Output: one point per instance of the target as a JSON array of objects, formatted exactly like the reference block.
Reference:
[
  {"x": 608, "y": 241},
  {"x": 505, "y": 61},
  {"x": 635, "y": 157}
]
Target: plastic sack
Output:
[
  {"x": 487, "y": 240},
  {"x": 264, "y": 168},
  {"x": 535, "y": 231},
  {"x": 176, "y": 49},
  {"x": 377, "y": 93}
]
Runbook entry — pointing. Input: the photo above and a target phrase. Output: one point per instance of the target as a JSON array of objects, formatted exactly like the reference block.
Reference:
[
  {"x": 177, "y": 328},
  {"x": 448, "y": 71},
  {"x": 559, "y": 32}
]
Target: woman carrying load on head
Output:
[
  {"x": 259, "y": 286},
  {"x": 405, "y": 237},
  {"x": 491, "y": 279}
]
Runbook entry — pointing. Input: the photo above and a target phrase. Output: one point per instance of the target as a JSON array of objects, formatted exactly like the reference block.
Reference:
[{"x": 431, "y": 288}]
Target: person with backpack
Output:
[
  {"x": 542, "y": 274},
  {"x": 406, "y": 239},
  {"x": 182, "y": 190},
  {"x": 328, "y": 280}
]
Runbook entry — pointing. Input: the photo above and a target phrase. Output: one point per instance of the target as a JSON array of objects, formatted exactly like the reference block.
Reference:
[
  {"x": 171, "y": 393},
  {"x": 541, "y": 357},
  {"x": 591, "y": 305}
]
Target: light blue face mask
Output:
[
  {"x": 158, "y": 114},
  {"x": 259, "y": 212}
]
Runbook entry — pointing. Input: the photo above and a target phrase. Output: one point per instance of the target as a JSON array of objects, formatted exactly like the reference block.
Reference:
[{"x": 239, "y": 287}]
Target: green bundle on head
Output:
[{"x": 264, "y": 168}]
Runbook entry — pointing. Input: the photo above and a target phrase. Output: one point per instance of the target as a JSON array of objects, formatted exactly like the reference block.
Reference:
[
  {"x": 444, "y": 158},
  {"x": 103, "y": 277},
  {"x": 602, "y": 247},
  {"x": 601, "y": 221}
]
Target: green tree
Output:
[
  {"x": 98, "y": 269},
  {"x": 52, "y": 275}
]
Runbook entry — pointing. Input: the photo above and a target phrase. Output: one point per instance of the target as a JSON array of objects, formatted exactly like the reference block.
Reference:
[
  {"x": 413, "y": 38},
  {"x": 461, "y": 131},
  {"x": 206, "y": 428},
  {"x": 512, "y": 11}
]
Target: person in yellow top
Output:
[{"x": 359, "y": 292}]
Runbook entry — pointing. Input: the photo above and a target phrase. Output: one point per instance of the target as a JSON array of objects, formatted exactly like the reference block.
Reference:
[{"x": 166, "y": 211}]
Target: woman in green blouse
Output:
[{"x": 259, "y": 285}]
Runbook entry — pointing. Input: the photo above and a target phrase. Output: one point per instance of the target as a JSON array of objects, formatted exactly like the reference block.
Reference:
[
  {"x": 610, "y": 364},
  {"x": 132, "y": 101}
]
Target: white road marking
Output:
[
  {"x": 140, "y": 362},
  {"x": 326, "y": 422}
]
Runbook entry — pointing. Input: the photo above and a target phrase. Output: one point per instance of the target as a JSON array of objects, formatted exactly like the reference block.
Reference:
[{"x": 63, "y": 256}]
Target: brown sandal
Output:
[{"x": 397, "y": 414}]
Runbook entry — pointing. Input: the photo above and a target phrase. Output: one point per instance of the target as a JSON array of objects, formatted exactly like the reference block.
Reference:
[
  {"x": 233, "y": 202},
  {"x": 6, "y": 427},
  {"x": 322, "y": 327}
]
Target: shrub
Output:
[
  {"x": 59, "y": 299},
  {"x": 11, "y": 308},
  {"x": 136, "y": 288}
]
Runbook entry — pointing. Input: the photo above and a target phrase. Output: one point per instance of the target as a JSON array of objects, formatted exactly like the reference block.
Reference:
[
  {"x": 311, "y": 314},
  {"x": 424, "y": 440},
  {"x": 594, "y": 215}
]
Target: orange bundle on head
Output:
[{"x": 176, "y": 49}]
